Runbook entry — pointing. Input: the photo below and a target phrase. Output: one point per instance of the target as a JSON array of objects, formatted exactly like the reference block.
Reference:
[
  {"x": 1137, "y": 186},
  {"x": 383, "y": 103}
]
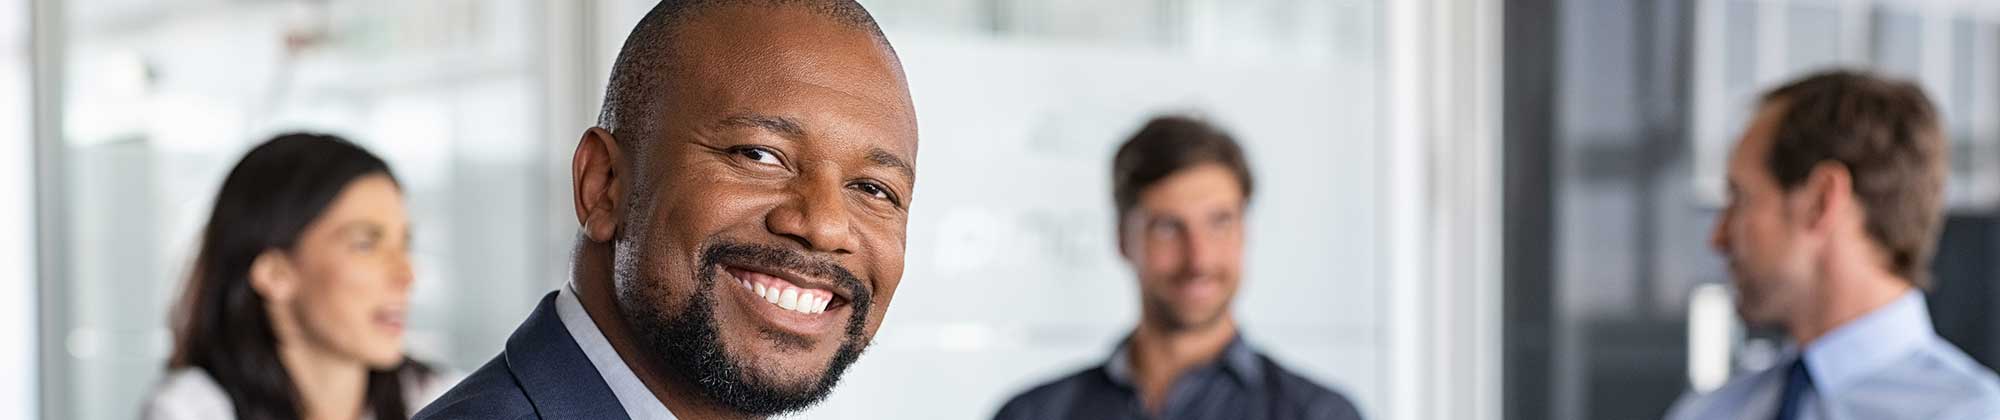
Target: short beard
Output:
[
  {"x": 689, "y": 344},
  {"x": 1169, "y": 320}
]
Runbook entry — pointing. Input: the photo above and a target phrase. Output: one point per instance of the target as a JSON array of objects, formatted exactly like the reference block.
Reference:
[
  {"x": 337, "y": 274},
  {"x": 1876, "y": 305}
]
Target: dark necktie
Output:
[{"x": 1797, "y": 382}]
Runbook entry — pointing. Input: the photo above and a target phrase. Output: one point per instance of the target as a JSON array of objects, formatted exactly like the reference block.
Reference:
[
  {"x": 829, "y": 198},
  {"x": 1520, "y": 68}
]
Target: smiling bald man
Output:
[{"x": 743, "y": 201}]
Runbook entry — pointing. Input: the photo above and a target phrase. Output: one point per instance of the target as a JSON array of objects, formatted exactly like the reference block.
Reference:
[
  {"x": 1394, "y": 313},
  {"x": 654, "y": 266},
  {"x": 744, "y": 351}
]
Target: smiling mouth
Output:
[{"x": 786, "y": 295}]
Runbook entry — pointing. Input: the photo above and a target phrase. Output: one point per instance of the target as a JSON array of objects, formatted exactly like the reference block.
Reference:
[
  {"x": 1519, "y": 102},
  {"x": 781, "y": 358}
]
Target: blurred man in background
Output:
[
  {"x": 1836, "y": 197},
  {"x": 743, "y": 204},
  {"x": 1181, "y": 188}
]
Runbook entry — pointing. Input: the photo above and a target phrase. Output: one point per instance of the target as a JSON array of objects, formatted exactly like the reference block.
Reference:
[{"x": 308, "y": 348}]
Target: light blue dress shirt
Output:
[
  {"x": 638, "y": 400},
  {"x": 1888, "y": 364}
]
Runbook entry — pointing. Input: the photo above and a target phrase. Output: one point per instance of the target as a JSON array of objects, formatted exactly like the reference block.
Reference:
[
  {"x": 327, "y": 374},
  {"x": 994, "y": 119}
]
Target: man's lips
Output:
[{"x": 1198, "y": 288}]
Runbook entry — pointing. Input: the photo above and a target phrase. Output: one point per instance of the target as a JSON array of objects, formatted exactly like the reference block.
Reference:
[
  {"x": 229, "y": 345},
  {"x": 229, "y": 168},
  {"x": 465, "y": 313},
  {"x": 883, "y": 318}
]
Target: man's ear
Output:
[
  {"x": 598, "y": 184},
  {"x": 1829, "y": 195},
  {"x": 272, "y": 276},
  {"x": 1125, "y": 244}
]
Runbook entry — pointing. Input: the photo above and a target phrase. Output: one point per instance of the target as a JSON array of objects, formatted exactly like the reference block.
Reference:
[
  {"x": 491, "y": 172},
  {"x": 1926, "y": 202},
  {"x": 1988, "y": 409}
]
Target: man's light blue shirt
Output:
[
  {"x": 639, "y": 402},
  {"x": 1888, "y": 364}
]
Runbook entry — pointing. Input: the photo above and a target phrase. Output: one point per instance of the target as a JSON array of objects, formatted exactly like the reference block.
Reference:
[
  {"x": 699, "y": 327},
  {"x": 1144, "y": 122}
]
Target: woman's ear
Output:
[{"x": 272, "y": 276}]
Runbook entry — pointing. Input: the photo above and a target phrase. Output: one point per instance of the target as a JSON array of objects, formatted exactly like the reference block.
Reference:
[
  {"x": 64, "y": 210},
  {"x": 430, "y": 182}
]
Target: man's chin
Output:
[
  {"x": 1755, "y": 316},
  {"x": 1197, "y": 320},
  {"x": 774, "y": 375},
  {"x": 793, "y": 384},
  {"x": 792, "y": 372}
]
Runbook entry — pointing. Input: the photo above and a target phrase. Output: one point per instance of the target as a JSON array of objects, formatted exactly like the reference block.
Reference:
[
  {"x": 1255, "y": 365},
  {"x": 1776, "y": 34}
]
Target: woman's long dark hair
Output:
[{"x": 221, "y": 325}]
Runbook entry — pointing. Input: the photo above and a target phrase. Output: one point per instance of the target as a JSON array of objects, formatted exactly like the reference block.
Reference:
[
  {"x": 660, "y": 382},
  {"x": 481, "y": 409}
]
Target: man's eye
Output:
[
  {"x": 875, "y": 190},
  {"x": 759, "y": 155}
]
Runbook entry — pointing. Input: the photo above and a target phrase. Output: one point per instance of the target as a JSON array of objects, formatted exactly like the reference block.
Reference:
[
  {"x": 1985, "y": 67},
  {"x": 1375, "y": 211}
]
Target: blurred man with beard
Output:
[
  {"x": 1182, "y": 188},
  {"x": 1836, "y": 196},
  {"x": 743, "y": 203}
]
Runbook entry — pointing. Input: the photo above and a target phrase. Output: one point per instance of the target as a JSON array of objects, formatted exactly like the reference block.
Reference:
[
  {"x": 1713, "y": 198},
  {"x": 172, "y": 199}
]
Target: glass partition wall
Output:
[
  {"x": 162, "y": 96},
  {"x": 1012, "y": 275}
]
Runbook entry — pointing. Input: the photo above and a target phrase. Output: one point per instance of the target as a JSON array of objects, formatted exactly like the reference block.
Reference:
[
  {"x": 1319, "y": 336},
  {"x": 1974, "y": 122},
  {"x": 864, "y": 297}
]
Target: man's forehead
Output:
[
  {"x": 802, "y": 85},
  {"x": 799, "y": 70},
  {"x": 1760, "y": 133},
  {"x": 1746, "y": 156},
  {"x": 1192, "y": 201},
  {"x": 780, "y": 39}
]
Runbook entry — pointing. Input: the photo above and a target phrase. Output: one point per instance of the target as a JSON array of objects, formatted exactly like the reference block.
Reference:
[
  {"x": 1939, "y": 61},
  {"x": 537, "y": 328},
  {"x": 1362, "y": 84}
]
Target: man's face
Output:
[
  {"x": 765, "y": 233},
  {"x": 1184, "y": 237},
  {"x": 1763, "y": 231}
]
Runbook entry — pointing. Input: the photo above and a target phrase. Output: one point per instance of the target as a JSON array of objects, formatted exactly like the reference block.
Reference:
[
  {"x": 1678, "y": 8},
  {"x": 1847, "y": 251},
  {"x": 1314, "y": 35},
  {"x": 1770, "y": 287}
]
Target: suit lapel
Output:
[{"x": 555, "y": 374}]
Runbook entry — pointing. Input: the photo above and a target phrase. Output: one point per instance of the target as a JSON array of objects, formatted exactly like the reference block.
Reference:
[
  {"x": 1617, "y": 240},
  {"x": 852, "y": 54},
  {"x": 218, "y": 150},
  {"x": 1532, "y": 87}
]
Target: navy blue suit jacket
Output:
[{"x": 542, "y": 374}]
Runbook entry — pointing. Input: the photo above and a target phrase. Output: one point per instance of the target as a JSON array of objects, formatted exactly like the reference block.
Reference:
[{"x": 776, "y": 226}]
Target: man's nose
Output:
[
  {"x": 1202, "y": 252},
  {"x": 816, "y": 216}
]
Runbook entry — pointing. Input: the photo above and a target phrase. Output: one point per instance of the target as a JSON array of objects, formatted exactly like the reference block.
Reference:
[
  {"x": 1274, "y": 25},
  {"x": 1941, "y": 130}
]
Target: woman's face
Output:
[{"x": 344, "y": 288}]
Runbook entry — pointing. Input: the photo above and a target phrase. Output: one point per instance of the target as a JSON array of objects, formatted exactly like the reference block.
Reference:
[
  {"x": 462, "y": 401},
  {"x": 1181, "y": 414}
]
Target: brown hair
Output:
[
  {"x": 1886, "y": 133},
  {"x": 1168, "y": 144},
  {"x": 221, "y": 325}
]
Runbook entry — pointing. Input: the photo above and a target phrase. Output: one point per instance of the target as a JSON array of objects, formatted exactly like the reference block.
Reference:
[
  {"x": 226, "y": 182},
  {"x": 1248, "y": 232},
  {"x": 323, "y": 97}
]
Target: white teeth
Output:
[{"x": 789, "y": 300}]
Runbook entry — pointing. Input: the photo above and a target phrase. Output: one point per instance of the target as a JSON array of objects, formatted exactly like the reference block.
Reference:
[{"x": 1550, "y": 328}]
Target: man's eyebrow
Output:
[
  {"x": 363, "y": 227},
  {"x": 781, "y": 126},
  {"x": 884, "y": 158}
]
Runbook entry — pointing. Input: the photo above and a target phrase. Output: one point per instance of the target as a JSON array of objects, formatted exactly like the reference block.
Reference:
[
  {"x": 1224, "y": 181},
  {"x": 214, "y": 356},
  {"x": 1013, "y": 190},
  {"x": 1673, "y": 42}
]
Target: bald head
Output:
[{"x": 652, "y": 55}]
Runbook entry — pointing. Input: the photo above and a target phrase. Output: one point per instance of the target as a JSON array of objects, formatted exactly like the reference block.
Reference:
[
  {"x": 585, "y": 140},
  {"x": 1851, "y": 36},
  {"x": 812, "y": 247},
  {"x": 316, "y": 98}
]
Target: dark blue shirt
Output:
[{"x": 1239, "y": 385}]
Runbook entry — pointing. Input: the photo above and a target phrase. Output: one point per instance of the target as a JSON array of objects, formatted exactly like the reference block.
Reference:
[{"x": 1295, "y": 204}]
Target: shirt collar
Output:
[
  {"x": 1861, "y": 346},
  {"x": 639, "y": 401},
  {"x": 1237, "y": 358}
]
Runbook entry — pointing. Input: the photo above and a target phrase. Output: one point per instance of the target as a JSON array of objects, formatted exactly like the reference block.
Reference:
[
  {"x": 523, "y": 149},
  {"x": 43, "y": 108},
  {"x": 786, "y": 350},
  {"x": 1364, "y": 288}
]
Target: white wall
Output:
[{"x": 1012, "y": 275}]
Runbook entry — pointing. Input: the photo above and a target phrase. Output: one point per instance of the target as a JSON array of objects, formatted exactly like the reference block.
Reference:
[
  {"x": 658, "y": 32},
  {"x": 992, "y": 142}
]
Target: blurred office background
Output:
[
  {"x": 1619, "y": 116},
  {"x": 133, "y": 110},
  {"x": 1490, "y": 209}
]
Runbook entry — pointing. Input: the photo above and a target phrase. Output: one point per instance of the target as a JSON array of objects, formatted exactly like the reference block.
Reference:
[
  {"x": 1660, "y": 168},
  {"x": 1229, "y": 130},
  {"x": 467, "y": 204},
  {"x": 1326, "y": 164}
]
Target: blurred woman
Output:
[{"x": 296, "y": 304}]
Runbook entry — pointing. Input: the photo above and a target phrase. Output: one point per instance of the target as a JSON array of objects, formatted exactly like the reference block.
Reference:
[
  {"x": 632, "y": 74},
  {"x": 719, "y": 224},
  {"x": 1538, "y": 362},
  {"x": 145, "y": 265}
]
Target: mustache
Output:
[{"x": 757, "y": 255}]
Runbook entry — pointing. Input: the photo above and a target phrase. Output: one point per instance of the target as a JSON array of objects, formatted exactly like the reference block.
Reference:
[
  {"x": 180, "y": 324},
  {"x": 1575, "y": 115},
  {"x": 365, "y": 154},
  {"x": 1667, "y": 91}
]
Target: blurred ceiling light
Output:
[
  {"x": 108, "y": 100},
  {"x": 413, "y": 132},
  {"x": 184, "y": 123},
  {"x": 1711, "y": 334}
]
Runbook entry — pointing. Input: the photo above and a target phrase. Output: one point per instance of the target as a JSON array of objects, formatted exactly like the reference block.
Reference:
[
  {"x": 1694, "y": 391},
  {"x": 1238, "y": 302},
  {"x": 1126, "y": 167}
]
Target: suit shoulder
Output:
[
  {"x": 1042, "y": 400},
  {"x": 1056, "y": 386},
  {"x": 1310, "y": 399},
  {"x": 490, "y": 392}
]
